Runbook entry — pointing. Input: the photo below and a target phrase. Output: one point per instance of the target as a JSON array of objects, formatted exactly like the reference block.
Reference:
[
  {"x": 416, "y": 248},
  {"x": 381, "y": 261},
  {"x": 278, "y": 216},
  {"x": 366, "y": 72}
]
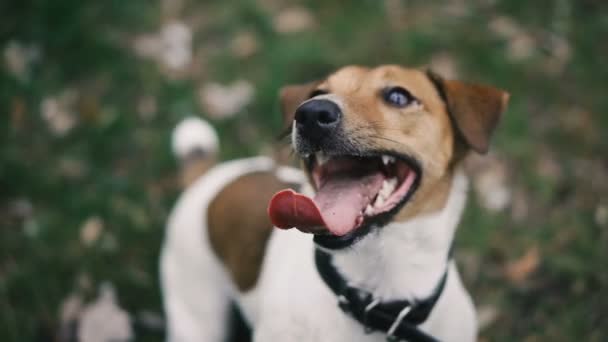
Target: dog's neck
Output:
[{"x": 405, "y": 260}]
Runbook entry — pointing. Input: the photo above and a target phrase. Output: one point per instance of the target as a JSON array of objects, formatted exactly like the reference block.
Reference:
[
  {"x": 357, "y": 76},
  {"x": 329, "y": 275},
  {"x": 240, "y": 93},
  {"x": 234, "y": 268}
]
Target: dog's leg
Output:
[
  {"x": 196, "y": 296},
  {"x": 196, "y": 291},
  {"x": 454, "y": 316}
]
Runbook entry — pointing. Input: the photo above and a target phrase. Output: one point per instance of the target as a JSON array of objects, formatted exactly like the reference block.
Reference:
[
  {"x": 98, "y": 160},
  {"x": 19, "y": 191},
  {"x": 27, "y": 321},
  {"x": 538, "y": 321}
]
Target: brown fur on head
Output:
[{"x": 446, "y": 117}]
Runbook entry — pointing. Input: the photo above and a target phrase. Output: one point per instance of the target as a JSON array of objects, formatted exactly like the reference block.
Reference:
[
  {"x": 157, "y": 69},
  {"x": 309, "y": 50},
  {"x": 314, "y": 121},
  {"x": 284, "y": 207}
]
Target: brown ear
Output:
[
  {"x": 474, "y": 109},
  {"x": 291, "y": 96}
]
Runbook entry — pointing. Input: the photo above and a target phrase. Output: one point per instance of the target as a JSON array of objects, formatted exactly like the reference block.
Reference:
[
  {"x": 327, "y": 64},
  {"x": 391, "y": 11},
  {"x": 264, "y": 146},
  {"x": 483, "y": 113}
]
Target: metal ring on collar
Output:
[
  {"x": 391, "y": 331},
  {"x": 368, "y": 308}
]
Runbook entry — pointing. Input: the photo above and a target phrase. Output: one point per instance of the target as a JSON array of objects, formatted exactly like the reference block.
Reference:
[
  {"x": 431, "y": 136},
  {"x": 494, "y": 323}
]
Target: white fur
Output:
[
  {"x": 193, "y": 134},
  {"x": 290, "y": 175},
  {"x": 290, "y": 301},
  {"x": 196, "y": 290}
]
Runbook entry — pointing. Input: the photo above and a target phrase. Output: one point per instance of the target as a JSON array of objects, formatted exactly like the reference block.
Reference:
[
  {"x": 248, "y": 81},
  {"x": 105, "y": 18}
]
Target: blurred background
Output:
[{"x": 90, "y": 91}]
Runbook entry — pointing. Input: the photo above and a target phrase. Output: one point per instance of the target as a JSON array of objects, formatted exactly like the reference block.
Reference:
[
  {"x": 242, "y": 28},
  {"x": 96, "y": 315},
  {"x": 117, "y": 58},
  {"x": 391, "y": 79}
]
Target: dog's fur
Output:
[{"x": 221, "y": 248}]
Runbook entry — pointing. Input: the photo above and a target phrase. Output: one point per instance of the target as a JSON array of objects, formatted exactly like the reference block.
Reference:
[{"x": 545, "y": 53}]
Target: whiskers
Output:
[{"x": 383, "y": 138}]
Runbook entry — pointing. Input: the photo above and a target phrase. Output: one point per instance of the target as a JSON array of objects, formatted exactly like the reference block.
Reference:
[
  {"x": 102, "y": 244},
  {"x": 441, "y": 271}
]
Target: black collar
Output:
[{"x": 398, "y": 319}]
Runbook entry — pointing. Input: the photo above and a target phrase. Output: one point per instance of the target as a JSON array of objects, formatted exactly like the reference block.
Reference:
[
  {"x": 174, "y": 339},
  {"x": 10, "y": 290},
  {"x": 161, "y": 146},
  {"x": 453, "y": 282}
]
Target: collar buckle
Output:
[
  {"x": 375, "y": 315},
  {"x": 390, "y": 334},
  {"x": 368, "y": 308}
]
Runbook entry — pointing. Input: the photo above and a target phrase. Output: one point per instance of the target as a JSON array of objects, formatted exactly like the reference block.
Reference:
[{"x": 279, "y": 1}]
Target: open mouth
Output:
[{"x": 353, "y": 194}]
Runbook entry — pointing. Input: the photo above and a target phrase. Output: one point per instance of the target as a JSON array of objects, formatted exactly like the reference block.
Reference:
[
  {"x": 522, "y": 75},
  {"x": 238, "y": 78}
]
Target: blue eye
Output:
[{"x": 398, "y": 97}]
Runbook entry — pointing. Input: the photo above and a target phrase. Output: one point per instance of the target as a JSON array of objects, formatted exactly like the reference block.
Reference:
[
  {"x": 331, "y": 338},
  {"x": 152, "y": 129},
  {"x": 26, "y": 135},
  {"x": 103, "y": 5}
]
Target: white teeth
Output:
[
  {"x": 388, "y": 187},
  {"x": 321, "y": 158},
  {"x": 379, "y": 201},
  {"x": 369, "y": 210},
  {"x": 387, "y": 159}
]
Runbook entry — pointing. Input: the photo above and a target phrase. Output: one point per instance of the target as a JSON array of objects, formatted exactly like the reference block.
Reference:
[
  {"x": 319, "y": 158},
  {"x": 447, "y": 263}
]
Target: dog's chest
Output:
[{"x": 291, "y": 302}]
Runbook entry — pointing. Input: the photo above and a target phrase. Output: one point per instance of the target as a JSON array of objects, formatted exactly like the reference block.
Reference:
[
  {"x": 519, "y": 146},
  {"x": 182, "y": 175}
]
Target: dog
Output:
[{"x": 375, "y": 209}]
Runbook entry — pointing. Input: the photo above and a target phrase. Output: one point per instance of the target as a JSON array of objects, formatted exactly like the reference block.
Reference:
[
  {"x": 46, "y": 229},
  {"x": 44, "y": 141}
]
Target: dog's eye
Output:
[
  {"x": 398, "y": 97},
  {"x": 317, "y": 92}
]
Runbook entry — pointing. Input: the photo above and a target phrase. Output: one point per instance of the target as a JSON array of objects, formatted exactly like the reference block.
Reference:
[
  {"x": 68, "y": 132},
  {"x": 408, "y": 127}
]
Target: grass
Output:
[{"x": 115, "y": 164}]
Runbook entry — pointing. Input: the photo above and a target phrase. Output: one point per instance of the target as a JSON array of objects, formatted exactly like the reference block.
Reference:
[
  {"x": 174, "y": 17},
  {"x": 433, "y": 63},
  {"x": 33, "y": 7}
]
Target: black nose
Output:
[{"x": 317, "y": 118}]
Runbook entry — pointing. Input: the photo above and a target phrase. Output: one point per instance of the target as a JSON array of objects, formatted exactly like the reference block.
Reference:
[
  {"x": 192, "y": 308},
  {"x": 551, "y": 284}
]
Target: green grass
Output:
[{"x": 126, "y": 176}]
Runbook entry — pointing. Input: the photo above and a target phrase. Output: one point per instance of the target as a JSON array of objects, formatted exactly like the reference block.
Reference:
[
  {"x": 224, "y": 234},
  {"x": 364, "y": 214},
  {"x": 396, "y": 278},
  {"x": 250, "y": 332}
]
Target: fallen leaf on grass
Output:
[
  {"x": 294, "y": 19},
  {"x": 444, "y": 65},
  {"x": 224, "y": 101},
  {"x": 505, "y": 27},
  {"x": 521, "y": 47},
  {"x": 103, "y": 320},
  {"x": 18, "y": 58},
  {"x": 244, "y": 44},
  {"x": 601, "y": 215},
  {"x": 177, "y": 45},
  {"x": 520, "y": 43},
  {"x": 560, "y": 53},
  {"x": 91, "y": 231},
  {"x": 171, "y": 47},
  {"x": 58, "y": 112},
  {"x": 490, "y": 176},
  {"x": 396, "y": 13},
  {"x": 519, "y": 270}
]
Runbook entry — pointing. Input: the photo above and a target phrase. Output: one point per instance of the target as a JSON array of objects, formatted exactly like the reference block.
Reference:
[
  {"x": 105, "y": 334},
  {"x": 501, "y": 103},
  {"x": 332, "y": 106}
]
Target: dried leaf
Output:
[
  {"x": 519, "y": 270},
  {"x": 244, "y": 44},
  {"x": 521, "y": 47},
  {"x": 505, "y": 27},
  {"x": 91, "y": 231},
  {"x": 490, "y": 181},
  {"x": 58, "y": 111},
  {"x": 176, "y": 40},
  {"x": 294, "y": 19},
  {"x": 445, "y": 65},
  {"x": 103, "y": 320},
  {"x": 171, "y": 47},
  {"x": 221, "y": 101},
  {"x": 521, "y": 44},
  {"x": 18, "y": 57},
  {"x": 601, "y": 215}
]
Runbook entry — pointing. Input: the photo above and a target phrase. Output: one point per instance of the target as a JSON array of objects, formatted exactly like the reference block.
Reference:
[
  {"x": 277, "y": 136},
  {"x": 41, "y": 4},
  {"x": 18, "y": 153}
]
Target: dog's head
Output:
[{"x": 379, "y": 145}]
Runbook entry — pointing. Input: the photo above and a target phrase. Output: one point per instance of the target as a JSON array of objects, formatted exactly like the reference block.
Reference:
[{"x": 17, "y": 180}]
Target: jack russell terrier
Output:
[{"x": 380, "y": 197}]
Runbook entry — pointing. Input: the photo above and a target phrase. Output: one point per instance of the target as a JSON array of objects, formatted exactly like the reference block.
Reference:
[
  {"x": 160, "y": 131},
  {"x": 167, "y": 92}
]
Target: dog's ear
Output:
[
  {"x": 291, "y": 96},
  {"x": 474, "y": 109}
]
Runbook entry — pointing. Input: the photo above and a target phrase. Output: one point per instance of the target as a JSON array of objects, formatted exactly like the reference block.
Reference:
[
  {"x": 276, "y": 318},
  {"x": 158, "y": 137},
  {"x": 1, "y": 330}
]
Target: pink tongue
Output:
[{"x": 337, "y": 205}]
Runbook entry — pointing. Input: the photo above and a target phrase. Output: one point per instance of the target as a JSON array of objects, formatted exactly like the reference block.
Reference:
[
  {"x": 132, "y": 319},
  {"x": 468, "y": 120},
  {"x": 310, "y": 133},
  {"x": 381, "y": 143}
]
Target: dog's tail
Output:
[{"x": 196, "y": 145}]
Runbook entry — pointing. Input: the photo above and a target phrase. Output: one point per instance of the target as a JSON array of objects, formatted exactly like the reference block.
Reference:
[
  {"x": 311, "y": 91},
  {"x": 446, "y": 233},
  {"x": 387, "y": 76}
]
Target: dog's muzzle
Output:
[{"x": 316, "y": 123}]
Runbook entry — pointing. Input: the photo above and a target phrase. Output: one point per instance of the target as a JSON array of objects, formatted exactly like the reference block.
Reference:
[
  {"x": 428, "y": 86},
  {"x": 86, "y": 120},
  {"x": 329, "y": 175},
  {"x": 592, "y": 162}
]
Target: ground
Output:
[{"x": 90, "y": 91}]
